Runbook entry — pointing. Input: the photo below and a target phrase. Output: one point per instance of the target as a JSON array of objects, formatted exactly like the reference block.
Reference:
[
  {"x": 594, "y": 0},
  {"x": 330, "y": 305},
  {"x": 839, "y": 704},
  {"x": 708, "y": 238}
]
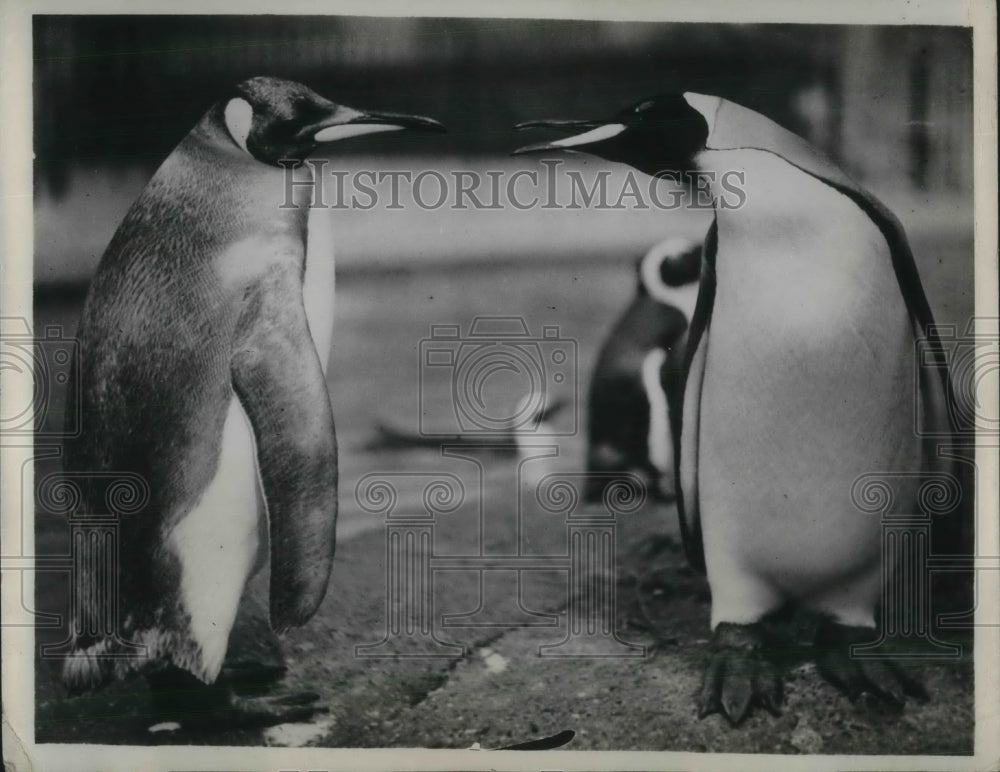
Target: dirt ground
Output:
[{"x": 501, "y": 690}]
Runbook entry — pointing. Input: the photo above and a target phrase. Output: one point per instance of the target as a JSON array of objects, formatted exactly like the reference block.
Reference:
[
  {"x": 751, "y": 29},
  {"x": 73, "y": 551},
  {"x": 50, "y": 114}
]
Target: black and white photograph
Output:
[{"x": 499, "y": 387}]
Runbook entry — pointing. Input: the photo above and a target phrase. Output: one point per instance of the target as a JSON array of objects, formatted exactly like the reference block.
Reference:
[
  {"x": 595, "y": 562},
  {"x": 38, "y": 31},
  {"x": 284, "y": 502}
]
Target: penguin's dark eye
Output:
[{"x": 308, "y": 109}]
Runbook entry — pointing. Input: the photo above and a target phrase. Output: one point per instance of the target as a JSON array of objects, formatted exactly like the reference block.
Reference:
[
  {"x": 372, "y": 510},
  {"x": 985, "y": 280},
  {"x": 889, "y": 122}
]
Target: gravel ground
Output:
[{"x": 502, "y": 691}]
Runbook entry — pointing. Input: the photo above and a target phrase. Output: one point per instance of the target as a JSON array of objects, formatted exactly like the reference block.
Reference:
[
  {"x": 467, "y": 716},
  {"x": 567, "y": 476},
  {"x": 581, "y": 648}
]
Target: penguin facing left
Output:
[
  {"x": 799, "y": 382},
  {"x": 202, "y": 368},
  {"x": 635, "y": 384}
]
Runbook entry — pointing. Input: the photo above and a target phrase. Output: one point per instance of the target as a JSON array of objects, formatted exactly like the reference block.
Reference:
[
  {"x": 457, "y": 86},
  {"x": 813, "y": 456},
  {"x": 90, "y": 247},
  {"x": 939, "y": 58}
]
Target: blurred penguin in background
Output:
[{"x": 636, "y": 382}]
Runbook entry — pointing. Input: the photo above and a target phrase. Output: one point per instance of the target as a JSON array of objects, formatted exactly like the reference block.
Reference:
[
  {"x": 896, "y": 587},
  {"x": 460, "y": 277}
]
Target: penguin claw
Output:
[
  {"x": 871, "y": 681},
  {"x": 178, "y": 697},
  {"x": 769, "y": 692},
  {"x": 256, "y": 713},
  {"x": 711, "y": 688},
  {"x": 737, "y": 691},
  {"x": 244, "y": 676},
  {"x": 738, "y": 676},
  {"x": 294, "y": 700},
  {"x": 269, "y": 711}
]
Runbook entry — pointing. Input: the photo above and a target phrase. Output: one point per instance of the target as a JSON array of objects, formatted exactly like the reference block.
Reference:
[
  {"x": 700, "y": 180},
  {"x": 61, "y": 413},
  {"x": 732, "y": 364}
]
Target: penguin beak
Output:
[
  {"x": 593, "y": 132},
  {"x": 346, "y": 122}
]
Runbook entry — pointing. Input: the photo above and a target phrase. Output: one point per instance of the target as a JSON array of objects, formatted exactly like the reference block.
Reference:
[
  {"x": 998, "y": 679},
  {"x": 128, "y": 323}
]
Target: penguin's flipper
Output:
[
  {"x": 279, "y": 380},
  {"x": 685, "y": 408}
]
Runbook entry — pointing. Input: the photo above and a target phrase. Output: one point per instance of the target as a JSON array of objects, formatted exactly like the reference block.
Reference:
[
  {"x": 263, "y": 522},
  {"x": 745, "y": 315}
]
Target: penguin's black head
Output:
[
  {"x": 274, "y": 119},
  {"x": 657, "y": 135}
]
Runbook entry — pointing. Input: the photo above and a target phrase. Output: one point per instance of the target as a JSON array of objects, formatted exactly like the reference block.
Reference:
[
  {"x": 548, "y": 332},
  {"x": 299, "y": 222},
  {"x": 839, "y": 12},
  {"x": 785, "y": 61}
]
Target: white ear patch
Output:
[
  {"x": 658, "y": 439},
  {"x": 346, "y": 130},
  {"x": 594, "y": 135},
  {"x": 652, "y": 280},
  {"x": 239, "y": 121}
]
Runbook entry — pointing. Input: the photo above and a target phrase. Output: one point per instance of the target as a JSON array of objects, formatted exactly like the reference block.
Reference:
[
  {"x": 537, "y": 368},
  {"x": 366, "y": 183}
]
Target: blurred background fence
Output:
[{"x": 113, "y": 95}]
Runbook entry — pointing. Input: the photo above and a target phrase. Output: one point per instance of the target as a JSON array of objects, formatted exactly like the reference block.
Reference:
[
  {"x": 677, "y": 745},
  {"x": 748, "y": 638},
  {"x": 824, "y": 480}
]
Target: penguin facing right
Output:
[
  {"x": 202, "y": 358},
  {"x": 636, "y": 382},
  {"x": 800, "y": 380}
]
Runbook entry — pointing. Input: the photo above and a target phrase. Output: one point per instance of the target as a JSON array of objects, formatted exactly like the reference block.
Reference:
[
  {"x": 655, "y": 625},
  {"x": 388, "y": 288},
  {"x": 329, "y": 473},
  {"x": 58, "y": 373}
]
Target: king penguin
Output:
[
  {"x": 203, "y": 347},
  {"x": 637, "y": 375},
  {"x": 800, "y": 379}
]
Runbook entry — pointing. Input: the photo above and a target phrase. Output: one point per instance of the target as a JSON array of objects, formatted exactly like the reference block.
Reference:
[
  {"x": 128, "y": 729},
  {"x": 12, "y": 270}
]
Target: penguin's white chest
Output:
[
  {"x": 658, "y": 440},
  {"x": 808, "y": 383},
  {"x": 217, "y": 543},
  {"x": 319, "y": 283}
]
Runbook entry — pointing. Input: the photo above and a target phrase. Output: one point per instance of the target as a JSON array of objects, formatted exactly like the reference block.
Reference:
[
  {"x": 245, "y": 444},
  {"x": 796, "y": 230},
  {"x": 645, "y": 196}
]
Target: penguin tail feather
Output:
[
  {"x": 89, "y": 668},
  {"x": 93, "y": 667}
]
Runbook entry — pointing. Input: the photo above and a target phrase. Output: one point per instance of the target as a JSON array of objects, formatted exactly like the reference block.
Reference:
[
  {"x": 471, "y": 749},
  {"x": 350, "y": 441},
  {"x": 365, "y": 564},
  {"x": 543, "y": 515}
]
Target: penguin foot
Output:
[
  {"x": 881, "y": 681},
  {"x": 251, "y": 676},
  {"x": 180, "y": 698},
  {"x": 248, "y": 712},
  {"x": 738, "y": 675}
]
